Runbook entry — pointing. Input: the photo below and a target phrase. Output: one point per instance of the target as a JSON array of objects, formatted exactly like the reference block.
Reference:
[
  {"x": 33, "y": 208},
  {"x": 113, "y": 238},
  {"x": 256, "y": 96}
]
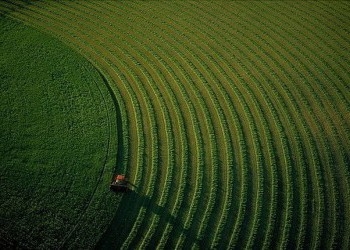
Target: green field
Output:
[{"x": 231, "y": 120}]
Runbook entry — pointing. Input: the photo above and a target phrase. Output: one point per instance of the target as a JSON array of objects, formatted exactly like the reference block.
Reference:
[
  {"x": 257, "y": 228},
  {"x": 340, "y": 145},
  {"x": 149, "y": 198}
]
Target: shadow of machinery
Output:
[{"x": 126, "y": 215}]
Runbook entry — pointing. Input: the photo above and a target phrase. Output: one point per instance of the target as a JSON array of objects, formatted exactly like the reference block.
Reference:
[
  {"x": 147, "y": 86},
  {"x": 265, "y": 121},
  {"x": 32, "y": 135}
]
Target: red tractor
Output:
[{"x": 119, "y": 183}]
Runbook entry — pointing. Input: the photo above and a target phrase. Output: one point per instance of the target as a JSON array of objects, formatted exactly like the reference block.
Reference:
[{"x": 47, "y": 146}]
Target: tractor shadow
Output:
[{"x": 125, "y": 219}]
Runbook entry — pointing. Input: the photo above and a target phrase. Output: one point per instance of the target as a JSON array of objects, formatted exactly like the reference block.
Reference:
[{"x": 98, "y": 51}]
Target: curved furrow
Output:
[
  {"x": 217, "y": 123},
  {"x": 328, "y": 92},
  {"x": 246, "y": 106},
  {"x": 198, "y": 94},
  {"x": 299, "y": 155},
  {"x": 187, "y": 189},
  {"x": 235, "y": 126},
  {"x": 340, "y": 9},
  {"x": 255, "y": 226},
  {"x": 263, "y": 119},
  {"x": 330, "y": 54},
  {"x": 194, "y": 126},
  {"x": 203, "y": 46},
  {"x": 169, "y": 164},
  {"x": 213, "y": 67},
  {"x": 324, "y": 48},
  {"x": 279, "y": 66},
  {"x": 139, "y": 158},
  {"x": 201, "y": 175},
  {"x": 180, "y": 149},
  {"x": 256, "y": 106},
  {"x": 315, "y": 58},
  {"x": 221, "y": 100},
  {"x": 185, "y": 126},
  {"x": 197, "y": 195},
  {"x": 326, "y": 127},
  {"x": 108, "y": 61},
  {"x": 198, "y": 176},
  {"x": 339, "y": 65},
  {"x": 331, "y": 210},
  {"x": 35, "y": 22},
  {"x": 266, "y": 139},
  {"x": 336, "y": 21},
  {"x": 154, "y": 164},
  {"x": 327, "y": 168}
]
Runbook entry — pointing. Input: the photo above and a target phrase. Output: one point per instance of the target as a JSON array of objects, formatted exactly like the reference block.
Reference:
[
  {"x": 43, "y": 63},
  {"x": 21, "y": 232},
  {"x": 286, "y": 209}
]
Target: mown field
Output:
[{"x": 231, "y": 120}]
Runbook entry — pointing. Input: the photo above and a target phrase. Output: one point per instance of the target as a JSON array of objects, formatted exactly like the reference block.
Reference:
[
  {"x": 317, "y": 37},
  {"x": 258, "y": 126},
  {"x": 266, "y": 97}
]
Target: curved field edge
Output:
[
  {"x": 229, "y": 127},
  {"x": 58, "y": 142}
]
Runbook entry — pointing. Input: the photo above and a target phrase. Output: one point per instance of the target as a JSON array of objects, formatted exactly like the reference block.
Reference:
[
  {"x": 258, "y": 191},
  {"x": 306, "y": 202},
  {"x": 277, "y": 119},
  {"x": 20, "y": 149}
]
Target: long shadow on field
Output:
[{"x": 125, "y": 219}]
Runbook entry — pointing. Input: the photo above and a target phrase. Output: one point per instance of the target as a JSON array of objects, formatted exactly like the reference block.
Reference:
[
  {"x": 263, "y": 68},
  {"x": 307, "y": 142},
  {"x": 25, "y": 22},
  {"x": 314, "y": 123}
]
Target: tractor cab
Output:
[{"x": 119, "y": 183}]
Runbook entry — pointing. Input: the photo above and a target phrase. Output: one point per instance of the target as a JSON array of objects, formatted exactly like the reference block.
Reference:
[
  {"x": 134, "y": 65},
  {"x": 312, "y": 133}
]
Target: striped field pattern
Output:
[{"x": 235, "y": 117}]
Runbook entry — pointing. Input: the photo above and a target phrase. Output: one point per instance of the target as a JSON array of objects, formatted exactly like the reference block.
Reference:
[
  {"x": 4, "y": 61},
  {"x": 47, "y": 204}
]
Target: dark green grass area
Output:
[{"x": 57, "y": 141}]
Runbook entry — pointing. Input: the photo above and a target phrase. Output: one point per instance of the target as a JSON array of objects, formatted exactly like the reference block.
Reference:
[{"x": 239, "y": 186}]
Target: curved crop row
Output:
[
  {"x": 234, "y": 126},
  {"x": 252, "y": 99}
]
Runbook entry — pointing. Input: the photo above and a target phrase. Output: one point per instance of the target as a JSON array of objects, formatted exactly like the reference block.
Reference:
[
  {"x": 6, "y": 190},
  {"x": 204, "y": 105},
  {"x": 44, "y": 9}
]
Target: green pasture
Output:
[
  {"x": 58, "y": 127},
  {"x": 230, "y": 119}
]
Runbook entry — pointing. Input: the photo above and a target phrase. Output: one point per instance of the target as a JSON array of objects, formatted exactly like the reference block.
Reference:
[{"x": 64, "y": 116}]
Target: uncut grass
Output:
[
  {"x": 54, "y": 141},
  {"x": 291, "y": 102}
]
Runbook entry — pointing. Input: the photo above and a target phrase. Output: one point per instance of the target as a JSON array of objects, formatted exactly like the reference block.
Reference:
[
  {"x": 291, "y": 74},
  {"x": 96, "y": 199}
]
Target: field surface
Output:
[
  {"x": 57, "y": 141},
  {"x": 231, "y": 120}
]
